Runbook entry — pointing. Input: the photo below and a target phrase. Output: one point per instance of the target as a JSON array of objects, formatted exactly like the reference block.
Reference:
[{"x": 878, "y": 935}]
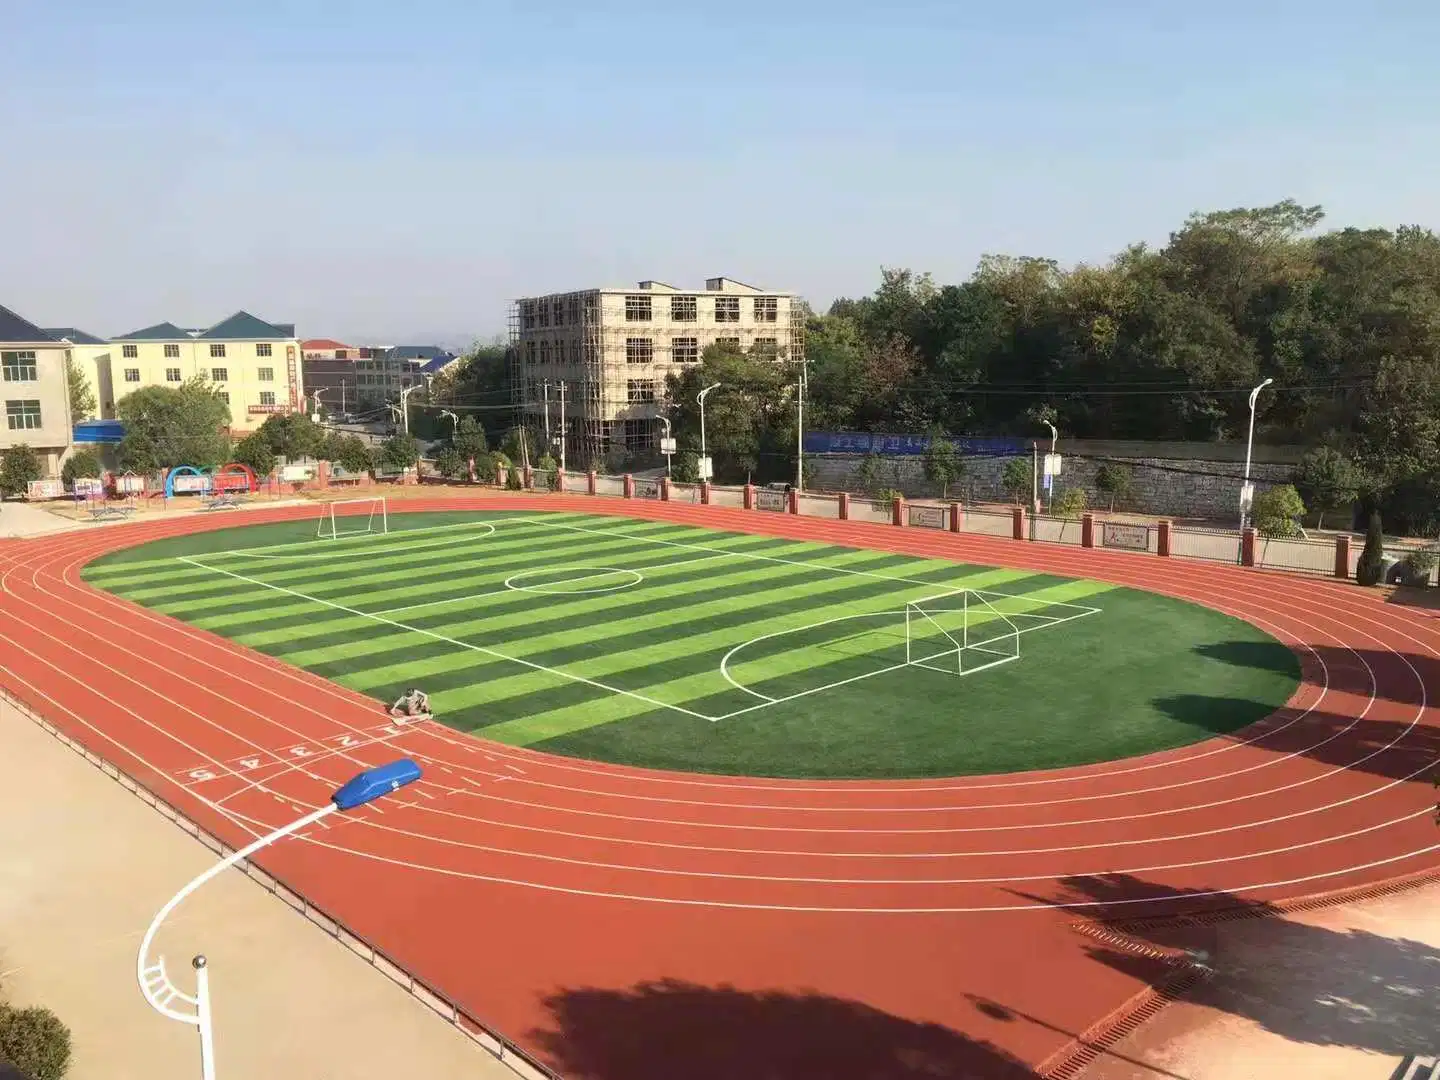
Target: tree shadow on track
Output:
[
  {"x": 1402, "y": 676},
  {"x": 1333, "y": 985},
  {"x": 661, "y": 1030}
]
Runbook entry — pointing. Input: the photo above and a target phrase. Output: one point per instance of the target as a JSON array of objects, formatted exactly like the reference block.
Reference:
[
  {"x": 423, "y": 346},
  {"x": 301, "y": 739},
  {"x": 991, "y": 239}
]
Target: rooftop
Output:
[{"x": 17, "y": 331}]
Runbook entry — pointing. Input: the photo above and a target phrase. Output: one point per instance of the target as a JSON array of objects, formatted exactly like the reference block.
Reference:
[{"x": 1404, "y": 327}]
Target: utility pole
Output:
[
  {"x": 800, "y": 430},
  {"x": 562, "y": 425},
  {"x": 547, "y": 415}
]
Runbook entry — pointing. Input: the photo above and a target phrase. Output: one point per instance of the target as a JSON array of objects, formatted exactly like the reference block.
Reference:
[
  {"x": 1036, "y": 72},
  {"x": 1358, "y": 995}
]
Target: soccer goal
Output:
[
  {"x": 959, "y": 633},
  {"x": 352, "y": 517}
]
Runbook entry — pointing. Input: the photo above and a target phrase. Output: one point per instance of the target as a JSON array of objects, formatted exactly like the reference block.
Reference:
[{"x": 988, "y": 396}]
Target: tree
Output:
[
  {"x": 293, "y": 436},
  {"x": 255, "y": 450},
  {"x": 19, "y": 466},
  {"x": 82, "y": 396},
  {"x": 1276, "y": 511},
  {"x": 81, "y": 464},
  {"x": 167, "y": 426},
  {"x": 943, "y": 465},
  {"x": 685, "y": 467},
  {"x": 399, "y": 452},
  {"x": 35, "y": 1041},
  {"x": 1018, "y": 479},
  {"x": 469, "y": 439},
  {"x": 1116, "y": 481},
  {"x": 353, "y": 454},
  {"x": 867, "y": 474},
  {"x": 1070, "y": 503},
  {"x": 1329, "y": 482},
  {"x": 449, "y": 463},
  {"x": 1371, "y": 565}
]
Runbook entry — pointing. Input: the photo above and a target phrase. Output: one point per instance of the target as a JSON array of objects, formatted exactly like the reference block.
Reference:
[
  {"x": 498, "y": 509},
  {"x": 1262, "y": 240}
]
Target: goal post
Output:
[
  {"x": 959, "y": 633},
  {"x": 353, "y": 517}
]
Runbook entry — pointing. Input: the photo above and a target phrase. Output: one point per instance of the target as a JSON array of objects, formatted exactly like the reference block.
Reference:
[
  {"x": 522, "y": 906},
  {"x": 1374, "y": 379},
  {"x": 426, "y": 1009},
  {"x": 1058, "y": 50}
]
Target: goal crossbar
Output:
[
  {"x": 958, "y": 632},
  {"x": 374, "y": 519}
]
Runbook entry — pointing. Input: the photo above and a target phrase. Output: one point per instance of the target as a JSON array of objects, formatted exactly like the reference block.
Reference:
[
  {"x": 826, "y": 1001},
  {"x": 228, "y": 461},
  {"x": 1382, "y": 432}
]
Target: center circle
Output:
[{"x": 573, "y": 576}]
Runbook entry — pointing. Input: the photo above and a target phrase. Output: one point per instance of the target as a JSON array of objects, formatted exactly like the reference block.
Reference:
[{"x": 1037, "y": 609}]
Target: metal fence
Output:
[
  {"x": 1290, "y": 553},
  {"x": 987, "y": 522},
  {"x": 1055, "y": 530},
  {"x": 1220, "y": 545}
]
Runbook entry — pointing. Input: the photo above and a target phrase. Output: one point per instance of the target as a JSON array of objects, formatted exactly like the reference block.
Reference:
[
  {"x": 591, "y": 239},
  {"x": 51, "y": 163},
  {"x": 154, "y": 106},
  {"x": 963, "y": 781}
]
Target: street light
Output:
[
  {"x": 705, "y": 469},
  {"x": 666, "y": 447},
  {"x": 404, "y": 408},
  {"x": 155, "y": 984},
  {"x": 454, "y": 420},
  {"x": 1245, "y": 489}
]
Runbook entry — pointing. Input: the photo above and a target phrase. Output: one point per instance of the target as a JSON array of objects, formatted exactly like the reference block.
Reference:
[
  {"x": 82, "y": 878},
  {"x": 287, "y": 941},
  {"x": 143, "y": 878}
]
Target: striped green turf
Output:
[{"x": 671, "y": 646}]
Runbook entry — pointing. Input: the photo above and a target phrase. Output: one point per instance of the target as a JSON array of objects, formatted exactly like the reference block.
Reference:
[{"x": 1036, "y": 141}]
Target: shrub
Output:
[
  {"x": 888, "y": 495},
  {"x": 449, "y": 463},
  {"x": 1416, "y": 566},
  {"x": 1370, "y": 566},
  {"x": 1069, "y": 503},
  {"x": 19, "y": 465},
  {"x": 1116, "y": 481},
  {"x": 1017, "y": 479},
  {"x": 513, "y": 481},
  {"x": 34, "y": 1041},
  {"x": 81, "y": 464},
  {"x": 1277, "y": 511}
]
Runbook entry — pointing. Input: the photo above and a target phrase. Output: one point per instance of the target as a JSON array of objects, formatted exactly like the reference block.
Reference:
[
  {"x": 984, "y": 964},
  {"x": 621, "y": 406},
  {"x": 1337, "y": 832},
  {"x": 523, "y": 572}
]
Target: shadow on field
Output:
[
  {"x": 668, "y": 1029},
  {"x": 1309, "y": 984}
]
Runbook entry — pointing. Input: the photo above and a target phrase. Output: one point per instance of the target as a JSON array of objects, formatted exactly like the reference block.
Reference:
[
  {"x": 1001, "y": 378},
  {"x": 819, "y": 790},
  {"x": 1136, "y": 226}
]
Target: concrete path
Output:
[{"x": 84, "y": 865}]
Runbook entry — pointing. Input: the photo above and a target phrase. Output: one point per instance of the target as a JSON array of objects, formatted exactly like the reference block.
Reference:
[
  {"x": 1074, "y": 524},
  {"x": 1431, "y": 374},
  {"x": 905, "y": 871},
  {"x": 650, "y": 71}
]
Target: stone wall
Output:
[{"x": 1173, "y": 486}]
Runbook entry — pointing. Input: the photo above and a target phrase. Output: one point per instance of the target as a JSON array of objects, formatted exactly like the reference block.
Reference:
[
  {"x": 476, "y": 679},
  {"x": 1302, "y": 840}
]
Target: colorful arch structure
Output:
[
  {"x": 186, "y": 470},
  {"x": 236, "y": 476}
]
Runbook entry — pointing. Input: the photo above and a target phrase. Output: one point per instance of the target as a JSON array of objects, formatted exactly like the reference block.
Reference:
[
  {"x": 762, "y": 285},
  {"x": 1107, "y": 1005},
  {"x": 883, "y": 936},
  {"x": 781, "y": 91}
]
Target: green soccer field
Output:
[{"x": 668, "y": 646}]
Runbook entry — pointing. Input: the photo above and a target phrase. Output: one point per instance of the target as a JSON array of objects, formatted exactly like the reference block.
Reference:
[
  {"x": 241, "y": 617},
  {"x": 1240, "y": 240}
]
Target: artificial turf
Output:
[{"x": 608, "y": 639}]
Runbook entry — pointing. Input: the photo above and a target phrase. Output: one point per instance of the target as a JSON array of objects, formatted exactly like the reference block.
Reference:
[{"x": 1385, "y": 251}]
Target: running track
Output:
[{"x": 538, "y": 892}]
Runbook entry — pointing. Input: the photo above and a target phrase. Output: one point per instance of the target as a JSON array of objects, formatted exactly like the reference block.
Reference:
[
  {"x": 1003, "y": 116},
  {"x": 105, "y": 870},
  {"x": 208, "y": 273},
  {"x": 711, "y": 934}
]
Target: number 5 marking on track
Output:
[{"x": 201, "y": 774}]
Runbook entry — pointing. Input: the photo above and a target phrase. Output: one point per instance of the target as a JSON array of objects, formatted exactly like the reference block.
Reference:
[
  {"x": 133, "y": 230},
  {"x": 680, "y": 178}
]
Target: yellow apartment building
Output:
[
  {"x": 90, "y": 356},
  {"x": 34, "y": 391},
  {"x": 254, "y": 364}
]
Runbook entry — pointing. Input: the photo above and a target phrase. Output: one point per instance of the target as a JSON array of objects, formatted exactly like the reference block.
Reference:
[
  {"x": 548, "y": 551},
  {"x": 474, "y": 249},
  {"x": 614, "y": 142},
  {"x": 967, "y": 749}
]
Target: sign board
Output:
[
  {"x": 667, "y": 446},
  {"x": 130, "y": 484},
  {"x": 928, "y": 517},
  {"x": 1131, "y": 537},
  {"x": 190, "y": 482},
  {"x": 770, "y": 500},
  {"x": 705, "y": 468},
  {"x": 45, "y": 489},
  {"x": 1247, "y": 495},
  {"x": 291, "y": 374},
  {"x": 264, "y": 410},
  {"x": 897, "y": 445},
  {"x": 1052, "y": 465},
  {"x": 88, "y": 486},
  {"x": 292, "y": 473},
  {"x": 647, "y": 489}
]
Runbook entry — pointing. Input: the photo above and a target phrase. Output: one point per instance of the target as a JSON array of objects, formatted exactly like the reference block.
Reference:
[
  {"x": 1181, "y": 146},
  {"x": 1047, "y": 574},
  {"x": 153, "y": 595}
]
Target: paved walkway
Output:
[{"x": 84, "y": 865}]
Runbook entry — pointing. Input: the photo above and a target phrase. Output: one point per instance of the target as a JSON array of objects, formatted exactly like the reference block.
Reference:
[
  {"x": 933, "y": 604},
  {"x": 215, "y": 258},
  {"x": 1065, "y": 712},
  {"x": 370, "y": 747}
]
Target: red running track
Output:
[{"x": 623, "y": 923}]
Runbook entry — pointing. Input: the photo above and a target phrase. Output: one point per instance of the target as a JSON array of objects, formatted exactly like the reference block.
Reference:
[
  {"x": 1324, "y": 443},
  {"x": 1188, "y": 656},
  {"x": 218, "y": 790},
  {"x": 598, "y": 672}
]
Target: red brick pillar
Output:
[
  {"x": 1087, "y": 530},
  {"x": 322, "y": 474},
  {"x": 664, "y": 489},
  {"x": 1162, "y": 537},
  {"x": 957, "y": 517},
  {"x": 629, "y": 486},
  {"x": 1247, "y": 546},
  {"x": 1342, "y": 555},
  {"x": 590, "y": 482},
  {"x": 844, "y": 506},
  {"x": 793, "y": 499},
  {"x": 704, "y": 492},
  {"x": 749, "y": 496},
  {"x": 1017, "y": 522},
  {"x": 897, "y": 511}
]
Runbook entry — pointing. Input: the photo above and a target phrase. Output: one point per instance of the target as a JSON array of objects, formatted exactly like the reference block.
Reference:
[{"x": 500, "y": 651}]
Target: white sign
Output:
[
  {"x": 1052, "y": 464},
  {"x": 1247, "y": 495},
  {"x": 44, "y": 489},
  {"x": 292, "y": 473},
  {"x": 129, "y": 484},
  {"x": 89, "y": 485},
  {"x": 705, "y": 468},
  {"x": 667, "y": 446},
  {"x": 190, "y": 482}
]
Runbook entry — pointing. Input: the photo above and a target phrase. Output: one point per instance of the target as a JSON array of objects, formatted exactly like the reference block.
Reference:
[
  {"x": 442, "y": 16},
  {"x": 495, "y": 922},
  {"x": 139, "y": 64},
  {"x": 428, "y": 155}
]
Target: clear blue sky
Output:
[{"x": 384, "y": 170}]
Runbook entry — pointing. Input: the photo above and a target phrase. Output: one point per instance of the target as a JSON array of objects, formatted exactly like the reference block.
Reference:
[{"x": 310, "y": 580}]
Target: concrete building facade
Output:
[
  {"x": 613, "y": 349},
  {"x": 35, "y": 391}
]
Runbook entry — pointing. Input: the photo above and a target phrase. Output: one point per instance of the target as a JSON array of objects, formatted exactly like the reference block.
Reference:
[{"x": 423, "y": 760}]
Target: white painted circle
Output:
[{"x": 581, "y": 573}]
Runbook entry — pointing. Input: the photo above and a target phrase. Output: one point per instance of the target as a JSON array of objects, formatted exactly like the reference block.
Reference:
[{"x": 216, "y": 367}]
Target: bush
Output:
[
  {"x": 1415, "y": 567},
  {"x": 1277, "y": 511},
  {"x": 1018, "y": 479},
  {"x": 888, "y": 495},
  {"x": 1116, "y": 481},
  {"x": 1370, "y": 566},
  {"x": 34, "y": 1041},
  {"x": 513, "y": 481},
  {"x": 449, "y": 463},
  {"x": 1069, "y": 503},
  {"x": 19, "y": 465},
  {"x": 83, "y": 464}
]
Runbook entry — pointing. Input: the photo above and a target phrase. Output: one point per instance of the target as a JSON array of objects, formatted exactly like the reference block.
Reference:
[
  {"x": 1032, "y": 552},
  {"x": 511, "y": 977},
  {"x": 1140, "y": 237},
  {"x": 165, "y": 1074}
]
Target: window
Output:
[
  {"x": 527, "y": 314},
  {"x": 19, "y": 366},
  {"x": 640, "y": 391},
  {"x": 639, "y": 434},
  {"x": 219, "y": 374},
  {"x": 767, "y": 346},
  {"x": 637, "y": 309},
  {"x": 731, "y": 343},
  {"x": 129, "y": 352},
  {"x": 22, "y": 415},
  {"x": 172, "y": 352},
  {"x": 727, "y": 309},
  {"x": 544, "y": 352},
  {"x": 685, "y": 350},
  {"x": 767, "y": 309},
  {"x": 261, "y": 349},
  {"x": 224, "y": 396},
  {"x": 342, "y": 354},
  {"x": 592, "y": 393},
  {"x": 639, "y": 350},
  {"x": 267, "y": 397},
  {"x": 559, "y": 307},
  {"x": 217, "y": 350},
  {"x": 684, "y": 309},
  {"x": 265, "y": 374},
  {"x": 132, "y": 374},
  {"x": 575, "y": 351},
  {"x": 543, "y": 310},
  {"x": 172, "y": 374},
  {"x": 530, "y": 352},
  {"x": 573, "y": 313}
]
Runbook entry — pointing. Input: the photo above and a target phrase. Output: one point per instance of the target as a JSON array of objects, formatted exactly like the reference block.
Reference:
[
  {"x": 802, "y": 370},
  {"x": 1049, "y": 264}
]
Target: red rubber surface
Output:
[{"x": 508, "y": 877}]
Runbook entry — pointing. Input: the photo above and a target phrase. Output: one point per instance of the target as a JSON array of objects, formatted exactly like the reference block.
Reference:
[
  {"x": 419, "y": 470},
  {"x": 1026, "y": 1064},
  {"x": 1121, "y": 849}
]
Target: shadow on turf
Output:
[
  {"x": 662, "y": 1030},
  {"x": 1305, "y": 983}
]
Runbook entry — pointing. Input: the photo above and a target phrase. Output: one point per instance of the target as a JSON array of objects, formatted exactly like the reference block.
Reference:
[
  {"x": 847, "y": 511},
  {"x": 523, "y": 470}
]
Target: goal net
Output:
[
  {"x": 353, "y": 517},
  {"x": 959, "y": 633}
]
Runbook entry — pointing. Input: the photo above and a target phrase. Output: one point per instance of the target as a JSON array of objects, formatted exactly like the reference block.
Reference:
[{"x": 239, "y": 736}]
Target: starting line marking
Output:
[{"x": 331, "y": 744}]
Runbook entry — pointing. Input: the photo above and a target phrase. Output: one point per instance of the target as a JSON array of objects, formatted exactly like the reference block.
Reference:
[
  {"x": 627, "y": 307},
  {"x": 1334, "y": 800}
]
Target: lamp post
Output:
[
  {"x": 1049, "y": 476},
  {"x": 315, "y": 397},
  {"x": 404, "y": 406},
  {"x": 666, "y": 441},
  {"x": 1245, "y": 488},
  {"x": 800, "y": 429},
  {"x": 155, "y": 982},
  {"x": 705, "y": 469},
  {"x": 454, "y": 420}
]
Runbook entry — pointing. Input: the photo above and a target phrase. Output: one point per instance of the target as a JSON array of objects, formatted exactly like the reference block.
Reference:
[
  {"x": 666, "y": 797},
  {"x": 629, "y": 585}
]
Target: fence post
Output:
[
  {"x": 629, "y": 486},
  {"x": 704, "y": 492},
  {"x": 1247, "y": 546},
  {"x": 501, "y": 475},
  {"x": 529, "y": 478},
  {"x": 957, "y": 517},
  {"x": 793, "y": 498},
  {"x": 1162, "y": 536},
  {"x": 590, "y": 483},
  {"x": 664, "y": 489},
  {"x": 1017, "y": 523},
  {"x": 559, "y": 481},
  {"x": 897, "y": 511},
  {"x": 1342, "y": 555},
  {"x": 844, "y": 505},
  {"x": 1087, "y": 530},
  {"x": 749, "y": 496}
]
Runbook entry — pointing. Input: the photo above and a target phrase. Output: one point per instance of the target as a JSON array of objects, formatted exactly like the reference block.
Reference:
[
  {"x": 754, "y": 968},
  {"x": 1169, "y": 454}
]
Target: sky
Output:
[{"x": 396, "y": 172}]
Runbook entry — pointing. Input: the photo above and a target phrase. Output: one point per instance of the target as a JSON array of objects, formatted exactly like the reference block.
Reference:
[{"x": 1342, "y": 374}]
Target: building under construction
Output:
[{"x": 613, "y": 348}]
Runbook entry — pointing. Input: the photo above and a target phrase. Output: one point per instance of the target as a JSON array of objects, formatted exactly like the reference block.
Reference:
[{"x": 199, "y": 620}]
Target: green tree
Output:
[
  {"x": 353, "y": 455},
  {"x": 255, "y": 450},
  {"x": 867, "y": 473},
  {"x": 469, "y": 438},
  {"x": 1018, "y": 480},
  {"x": 1070, "y": 503},
  {"x": 1328, "y": 482},
  {"x": 399, "y": 452},
  {"x": 1371, "y": 566},
  {"x": 293, "y": 436},
  {"x": 81, "y": 464},
  {"x": 943, "y": 464},
  {"x": 1276, "y": 511},
  {"x": 685, "y": 467},
  {"x": 1114, "y": 480},
  {"x": 82, "y": 395},
  {"x": 168, "y": 426},
  {"x": 19, "y": 465},
  {"x": 35, "y": 1041},
  {"x": 449, "y": 463}
]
